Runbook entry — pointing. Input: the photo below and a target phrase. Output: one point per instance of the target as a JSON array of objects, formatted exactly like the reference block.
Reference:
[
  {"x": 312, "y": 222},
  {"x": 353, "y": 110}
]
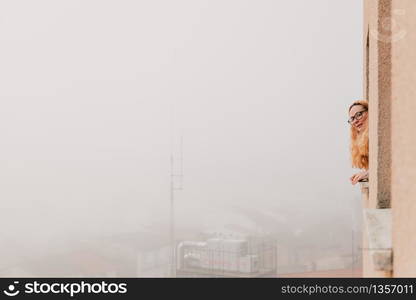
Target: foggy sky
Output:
[{"x": 257, "y": 89}]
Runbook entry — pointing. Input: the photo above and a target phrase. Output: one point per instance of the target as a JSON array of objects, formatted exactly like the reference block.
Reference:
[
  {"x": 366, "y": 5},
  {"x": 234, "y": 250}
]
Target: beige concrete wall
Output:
[
  {"x": 403, "y": 133},
  {"x": 377, "y": 89},
  {"x": 370, "y": 87},
  {"x": 378, "y": 85},
  {"x": 366, "y": 263},
  {"x": 368, "y": 267},
  {"x": 390, "y": 86}
]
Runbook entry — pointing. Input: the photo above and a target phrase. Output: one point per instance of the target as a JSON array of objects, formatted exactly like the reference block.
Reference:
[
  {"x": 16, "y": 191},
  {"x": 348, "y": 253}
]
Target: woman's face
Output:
[{"x": 358, "y": 115}]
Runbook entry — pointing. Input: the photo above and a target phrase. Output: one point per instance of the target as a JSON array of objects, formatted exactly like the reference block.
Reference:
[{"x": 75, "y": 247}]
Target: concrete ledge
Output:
[
  {"x": 378, "y": 225},
  {"x": 365, "y": 193},
  {"x": 364, "y": 184}
]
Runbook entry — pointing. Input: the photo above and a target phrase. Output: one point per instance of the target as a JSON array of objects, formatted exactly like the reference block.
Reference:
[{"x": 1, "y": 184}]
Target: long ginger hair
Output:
[{"x": 359, "y": 142}]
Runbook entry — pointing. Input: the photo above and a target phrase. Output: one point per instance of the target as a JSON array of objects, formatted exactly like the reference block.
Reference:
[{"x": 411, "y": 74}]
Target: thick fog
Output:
[{"x": 97, "y": 95}]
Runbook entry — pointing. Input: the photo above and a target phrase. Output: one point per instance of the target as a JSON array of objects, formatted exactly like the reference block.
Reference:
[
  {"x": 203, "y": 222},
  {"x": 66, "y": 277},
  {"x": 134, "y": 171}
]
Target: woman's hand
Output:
[{"x": 359, "y": 176}]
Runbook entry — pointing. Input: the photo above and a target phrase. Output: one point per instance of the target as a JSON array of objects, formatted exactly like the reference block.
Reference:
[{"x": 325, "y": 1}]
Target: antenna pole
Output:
[{"x": 173, "y": 188}]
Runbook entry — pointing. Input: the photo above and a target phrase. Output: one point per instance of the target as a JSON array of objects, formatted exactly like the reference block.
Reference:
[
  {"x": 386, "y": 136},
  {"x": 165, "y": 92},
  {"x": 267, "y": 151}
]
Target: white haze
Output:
[{"x": 92, "y": 91}]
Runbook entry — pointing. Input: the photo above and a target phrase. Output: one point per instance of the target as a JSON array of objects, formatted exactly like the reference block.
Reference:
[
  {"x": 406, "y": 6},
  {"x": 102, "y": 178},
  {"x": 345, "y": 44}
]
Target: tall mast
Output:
[{"x": 174, "y": 188}]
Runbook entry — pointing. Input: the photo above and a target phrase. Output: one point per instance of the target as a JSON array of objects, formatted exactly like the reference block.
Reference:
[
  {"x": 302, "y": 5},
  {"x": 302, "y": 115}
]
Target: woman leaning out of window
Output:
[{"x": 358, "y": 120}]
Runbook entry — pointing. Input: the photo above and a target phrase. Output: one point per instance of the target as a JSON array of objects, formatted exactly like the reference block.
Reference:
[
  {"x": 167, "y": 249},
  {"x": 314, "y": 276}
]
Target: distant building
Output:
[{"x": 227, "y": 257}]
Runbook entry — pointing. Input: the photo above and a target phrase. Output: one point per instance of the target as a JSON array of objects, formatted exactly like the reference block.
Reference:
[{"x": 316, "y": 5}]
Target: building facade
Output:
[{"x": 389, "y": 242}]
